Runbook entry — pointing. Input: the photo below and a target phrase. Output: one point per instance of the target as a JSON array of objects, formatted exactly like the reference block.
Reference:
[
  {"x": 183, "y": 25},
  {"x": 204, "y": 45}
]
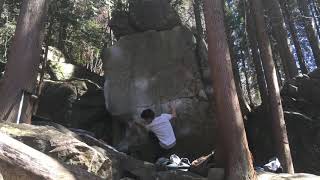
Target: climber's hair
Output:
[{"x": 147, "y": 114}]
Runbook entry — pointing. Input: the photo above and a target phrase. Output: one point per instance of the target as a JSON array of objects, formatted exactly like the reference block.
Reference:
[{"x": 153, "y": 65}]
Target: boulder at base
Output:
[
  {"x": 80, "y": 153},
  {"x": 63, "y": 147},
  {"x": 148, "y": 70},
  {"x": 76, "y": 104}
]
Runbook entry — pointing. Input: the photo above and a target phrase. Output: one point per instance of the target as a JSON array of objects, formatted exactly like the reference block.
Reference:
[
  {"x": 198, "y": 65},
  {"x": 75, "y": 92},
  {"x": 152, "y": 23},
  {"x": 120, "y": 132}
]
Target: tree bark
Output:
[
  {"x": 237, "y": 157},
  {"x": 293, "y": 31},
  {"x": 256, "y": 58},
  {"x": 311, "y": 33},
  {"x": 34, "y": 164},
  {"x": 197, "y": 15},
  {"x": 201, "y": 49},
  {"x": 276, "y": 111},
  {"x": 281, "y": 36},
  {"x": 24, "y": 58},
  {"x": 246, "y": 70}
]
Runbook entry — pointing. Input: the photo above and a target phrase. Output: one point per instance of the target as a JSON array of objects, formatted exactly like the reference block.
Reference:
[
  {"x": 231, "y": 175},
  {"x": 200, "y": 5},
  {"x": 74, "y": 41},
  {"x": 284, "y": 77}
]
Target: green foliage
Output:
[
  {"x": 80, "y": 29},
  {"x": 8, "y": 23}
]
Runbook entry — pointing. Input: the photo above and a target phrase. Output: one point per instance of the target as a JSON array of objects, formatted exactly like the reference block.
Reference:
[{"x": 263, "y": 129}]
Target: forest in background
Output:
[{"x": 79, "y": 29}]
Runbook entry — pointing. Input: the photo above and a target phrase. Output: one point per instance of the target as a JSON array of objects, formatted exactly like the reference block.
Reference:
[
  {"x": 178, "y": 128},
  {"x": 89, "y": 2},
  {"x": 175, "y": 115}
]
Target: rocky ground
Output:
[{"x": 80, "y": 152}]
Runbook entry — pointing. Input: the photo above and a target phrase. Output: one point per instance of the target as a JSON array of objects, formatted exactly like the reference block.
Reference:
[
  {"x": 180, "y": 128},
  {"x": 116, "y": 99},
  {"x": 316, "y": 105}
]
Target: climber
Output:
[{"x": 160, "y": 130}]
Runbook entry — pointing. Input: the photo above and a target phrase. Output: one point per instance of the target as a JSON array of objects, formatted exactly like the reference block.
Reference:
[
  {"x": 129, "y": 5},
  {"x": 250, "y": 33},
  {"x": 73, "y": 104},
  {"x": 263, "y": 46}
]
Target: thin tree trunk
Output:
[
  {"x": 311, "y": 33},
  {"x": 197, "y": 15},
  {"x": 315, "y": 15},
  {"x": 201, "y": 49},
  {"x": 24, "y": 58},
  {"x": 276, "y": 111},
  {"x": 277, "y": 63},
  {"x": 244, "y": 106},
  {"x": 293, "y": 32},
  {"x": 245, "y": 71},
  {"x": 238, "y": 162},
  {"x": 256, "y": 58},
  {"x": 43, "y": 67},
  {"x": 280, "y": 34}
]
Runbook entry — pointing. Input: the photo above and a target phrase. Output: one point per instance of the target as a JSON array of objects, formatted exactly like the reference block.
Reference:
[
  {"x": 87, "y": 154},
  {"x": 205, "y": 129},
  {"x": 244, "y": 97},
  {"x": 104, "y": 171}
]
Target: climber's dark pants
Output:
[{"x": 159, "y": 151}]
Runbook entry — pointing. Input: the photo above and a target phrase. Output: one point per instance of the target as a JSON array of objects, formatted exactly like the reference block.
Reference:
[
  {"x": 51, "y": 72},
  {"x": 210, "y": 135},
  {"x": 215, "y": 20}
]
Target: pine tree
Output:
[
  {"x": 23, "y": 63},
  {"x": 256, "y": 57},
  {"x": 294, "y": 36},
  {"x": 280, "y": 34},
  {"x": 311, "y": 33},
  {"x": 276, "y": 111},
  {"x": 237, "y": 158}
]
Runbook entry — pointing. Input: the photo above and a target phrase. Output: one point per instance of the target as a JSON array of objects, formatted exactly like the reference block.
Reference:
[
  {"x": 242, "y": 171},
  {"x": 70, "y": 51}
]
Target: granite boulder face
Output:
[
  {"x": 152, "y": 15},
  {"x": 151, "y": 69}
]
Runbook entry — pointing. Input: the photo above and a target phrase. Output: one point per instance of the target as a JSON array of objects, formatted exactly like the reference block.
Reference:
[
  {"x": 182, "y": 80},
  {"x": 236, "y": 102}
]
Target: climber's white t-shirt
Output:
[{"x": 162, "y": 128}]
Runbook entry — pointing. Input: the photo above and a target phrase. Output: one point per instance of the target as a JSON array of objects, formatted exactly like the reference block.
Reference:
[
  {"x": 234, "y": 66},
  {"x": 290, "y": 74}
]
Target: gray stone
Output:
[
  {"x": 65, "y": 148},
  {"x": 61, "y": 71},
  {"x": 76, "y": 103},
  {"x": 178, "y": 175},
  {"x": 120, "y": 24},
  {"x": 216, "y": 174},
  {"x": 148, "y": 70},
  {"x": 298, "y": 176},
  {"x": 152, "y": 15}
]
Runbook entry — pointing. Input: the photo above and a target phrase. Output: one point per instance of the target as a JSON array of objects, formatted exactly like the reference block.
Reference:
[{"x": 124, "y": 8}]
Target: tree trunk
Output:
[
  {"x": 256, "y": 58},
  {"x": 24, "y": 58},
  {"x": 245, "y": 71},
  {"x": 315, "y": 15},
  {"x": 197, "y": 15},
  {"x": 280, "y": 34},
  {"x": 244, "y": 106},
  {"x": 237, "y": 157},
  {"x": 18, "y": 160},
  {"x": 276, "y": 111},
  {"x": 311, "y": 33},
  {"x": 293, "y": 32},
  {"x": 201, "y": 49}
]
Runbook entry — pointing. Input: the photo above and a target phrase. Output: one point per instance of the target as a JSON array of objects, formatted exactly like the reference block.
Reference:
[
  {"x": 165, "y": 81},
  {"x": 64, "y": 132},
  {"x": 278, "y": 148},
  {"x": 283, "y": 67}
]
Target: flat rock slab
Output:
[{"x": 271, "y": 176}]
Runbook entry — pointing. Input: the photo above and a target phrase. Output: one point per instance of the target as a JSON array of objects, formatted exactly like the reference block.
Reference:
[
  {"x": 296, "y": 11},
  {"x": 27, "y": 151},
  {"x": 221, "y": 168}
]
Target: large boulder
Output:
[
  {"x": 120, "y": 24},
  {"x": 152, "y": 15},
  {"x": 143, "y": 15},
  {"x": 82, "y": 151},
  {"x": 75, "y": 103},
  {"x": 148, "y": 70},
  {"x": 61, "y": 146},
  {"x": 61, "y": 71}
]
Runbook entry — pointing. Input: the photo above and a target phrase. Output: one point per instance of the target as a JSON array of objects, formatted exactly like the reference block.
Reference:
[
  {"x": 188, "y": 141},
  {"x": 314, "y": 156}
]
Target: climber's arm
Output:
[
  {"x": 140, "y": 124},
  {"x": 172, "y": 107}
]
